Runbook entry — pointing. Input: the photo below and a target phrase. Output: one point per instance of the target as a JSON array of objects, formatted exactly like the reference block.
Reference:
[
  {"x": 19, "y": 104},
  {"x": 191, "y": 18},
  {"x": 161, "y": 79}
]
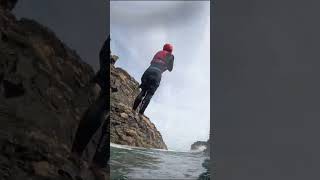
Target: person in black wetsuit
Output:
[
  {"x": 150, "y": 80},
  {"x": 96, "y": 116}
]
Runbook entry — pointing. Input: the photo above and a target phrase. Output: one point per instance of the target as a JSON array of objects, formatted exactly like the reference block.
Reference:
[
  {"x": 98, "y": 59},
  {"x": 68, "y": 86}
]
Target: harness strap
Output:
[
  {"x": 155, "y": 68},
  {"x": 159, "y": 61}
]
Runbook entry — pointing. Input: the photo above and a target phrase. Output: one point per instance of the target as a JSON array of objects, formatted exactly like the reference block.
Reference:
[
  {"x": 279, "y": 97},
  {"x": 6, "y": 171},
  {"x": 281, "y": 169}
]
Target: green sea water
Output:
[{"x": 140, "y": 163}]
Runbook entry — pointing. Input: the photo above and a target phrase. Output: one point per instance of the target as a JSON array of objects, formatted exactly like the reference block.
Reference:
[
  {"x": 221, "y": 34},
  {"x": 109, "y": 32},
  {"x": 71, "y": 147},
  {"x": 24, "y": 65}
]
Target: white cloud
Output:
[{"x": 181, "y": 106}]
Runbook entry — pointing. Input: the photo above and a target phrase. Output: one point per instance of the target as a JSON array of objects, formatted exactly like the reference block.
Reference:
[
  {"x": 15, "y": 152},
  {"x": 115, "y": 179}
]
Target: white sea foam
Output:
[
  {"x": 121, "y": 146},
  {"x": 199, "y": 149}
]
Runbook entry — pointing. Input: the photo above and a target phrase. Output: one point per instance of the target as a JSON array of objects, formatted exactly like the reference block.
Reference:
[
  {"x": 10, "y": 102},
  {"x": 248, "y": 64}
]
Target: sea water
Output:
[{"x": 140, "y": 163}]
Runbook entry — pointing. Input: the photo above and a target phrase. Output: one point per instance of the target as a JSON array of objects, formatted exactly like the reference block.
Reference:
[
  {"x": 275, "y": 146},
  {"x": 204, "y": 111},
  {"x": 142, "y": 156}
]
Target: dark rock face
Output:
[
  {"x": 127, "y": 127},
  {"x": 42, "y": 81},
  {"x": 8, "y": 4},
  {"x": 44, "y": 91}
]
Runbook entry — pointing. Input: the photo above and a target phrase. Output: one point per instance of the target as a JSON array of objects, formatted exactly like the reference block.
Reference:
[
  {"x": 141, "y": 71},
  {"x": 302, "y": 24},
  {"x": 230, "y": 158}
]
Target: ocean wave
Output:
[{"x": 120, "y": 146}]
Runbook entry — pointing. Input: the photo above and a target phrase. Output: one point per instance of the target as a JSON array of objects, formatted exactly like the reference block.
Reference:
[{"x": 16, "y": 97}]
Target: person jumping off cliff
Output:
[{"x": 150, "y": 80}]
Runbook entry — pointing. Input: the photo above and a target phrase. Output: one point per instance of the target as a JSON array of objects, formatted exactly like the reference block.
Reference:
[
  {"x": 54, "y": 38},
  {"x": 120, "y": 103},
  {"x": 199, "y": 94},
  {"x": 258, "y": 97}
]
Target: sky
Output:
[
  {"x": 80, "y": 24},
  {"x": 180, "y": 108}
]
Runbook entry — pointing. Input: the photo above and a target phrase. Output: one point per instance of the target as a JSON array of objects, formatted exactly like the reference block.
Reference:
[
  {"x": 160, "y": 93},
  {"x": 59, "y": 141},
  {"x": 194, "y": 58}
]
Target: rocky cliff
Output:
[
  {"x": 128, "y": 127},
  {"x": 44, "y": 91}
]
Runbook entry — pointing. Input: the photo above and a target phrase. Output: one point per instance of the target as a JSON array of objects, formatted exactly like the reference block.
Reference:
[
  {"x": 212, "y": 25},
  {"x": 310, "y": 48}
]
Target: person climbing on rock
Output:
[
  {"x": 150, "y": 80},
  {"x": 96, "y": 118}
]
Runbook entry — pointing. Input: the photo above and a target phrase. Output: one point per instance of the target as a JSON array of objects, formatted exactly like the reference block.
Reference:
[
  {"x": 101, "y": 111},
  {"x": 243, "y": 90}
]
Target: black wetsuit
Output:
[
  {"x": 150, "y": 82},
  {"x": 97, "y": 115}
]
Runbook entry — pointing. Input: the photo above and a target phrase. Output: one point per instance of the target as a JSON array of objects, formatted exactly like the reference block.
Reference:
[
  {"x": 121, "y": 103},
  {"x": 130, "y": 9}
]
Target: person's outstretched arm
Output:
[
  {"x": 171, "y": 61},
  {"x": 103, "y": 73},
  {"x": 105, "y": 53}
]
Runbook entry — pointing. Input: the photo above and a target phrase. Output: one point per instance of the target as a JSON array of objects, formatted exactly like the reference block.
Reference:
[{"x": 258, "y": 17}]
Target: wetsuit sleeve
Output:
[
  {"x": 102, "y": 75},
  {"x": 170, "y": 64},
  {"x": 105, "y": 52}
]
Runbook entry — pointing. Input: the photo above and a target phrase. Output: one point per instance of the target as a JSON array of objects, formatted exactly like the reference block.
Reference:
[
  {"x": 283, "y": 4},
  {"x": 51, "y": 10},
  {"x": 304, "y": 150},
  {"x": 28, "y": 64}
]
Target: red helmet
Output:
[{"x": 168, "y": 47}]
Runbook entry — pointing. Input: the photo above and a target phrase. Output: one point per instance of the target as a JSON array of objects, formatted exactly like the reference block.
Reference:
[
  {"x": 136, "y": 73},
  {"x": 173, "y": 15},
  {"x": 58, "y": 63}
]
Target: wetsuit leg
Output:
[
  {"x": 146, "y": 102},
  {"x": 102, "y": 154},
  {"x": 94, "y": 116},
  {"x": 104, "y": 71},
  {"x": 144, "y": 85},
  {"x": 89, "y": 124},
  {"x": 153, "y": 84},
  {"x": 138, "y": 99}
]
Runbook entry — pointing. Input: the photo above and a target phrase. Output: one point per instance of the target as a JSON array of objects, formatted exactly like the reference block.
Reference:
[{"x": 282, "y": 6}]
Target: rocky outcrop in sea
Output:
[
  {"x": 198, "y": 145},
  {"x": 206, "y": 164},
  {"x": 128, "y": 127}
]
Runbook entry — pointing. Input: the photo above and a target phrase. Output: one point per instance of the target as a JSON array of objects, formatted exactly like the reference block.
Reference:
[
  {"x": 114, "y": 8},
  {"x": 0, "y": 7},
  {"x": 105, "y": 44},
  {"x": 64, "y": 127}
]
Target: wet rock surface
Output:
[{"x": 128, "y": 127}]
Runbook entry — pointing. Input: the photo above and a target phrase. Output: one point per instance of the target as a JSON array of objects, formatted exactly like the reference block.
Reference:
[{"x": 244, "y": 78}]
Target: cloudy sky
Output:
[
  {"x": 80, "y": 24},
  {"x": 181, "y": 106}
]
